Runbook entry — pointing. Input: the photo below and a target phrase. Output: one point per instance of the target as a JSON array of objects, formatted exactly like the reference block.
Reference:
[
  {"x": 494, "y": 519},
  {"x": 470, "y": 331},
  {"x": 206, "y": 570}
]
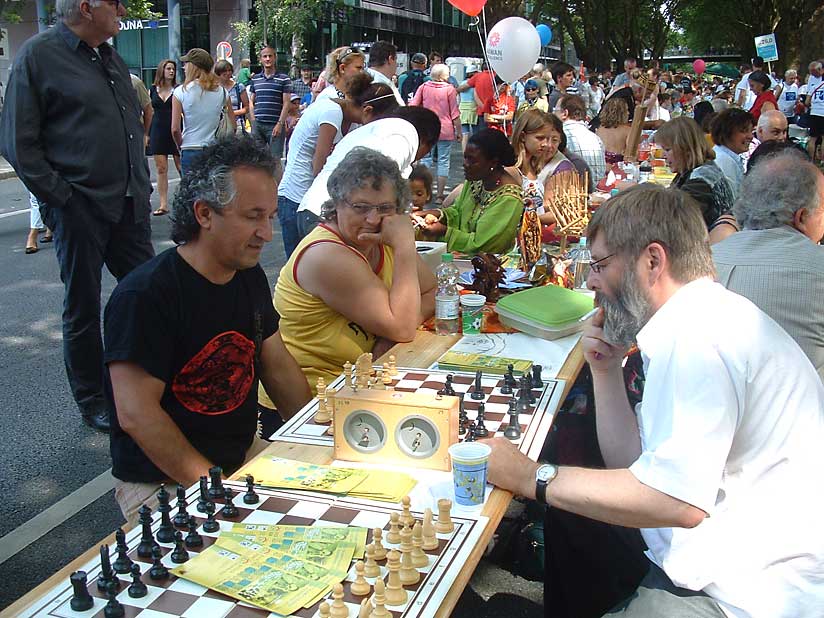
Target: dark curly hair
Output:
[
  {"x": 211, "y": 180},
  {"x": 728, "y": 122}
]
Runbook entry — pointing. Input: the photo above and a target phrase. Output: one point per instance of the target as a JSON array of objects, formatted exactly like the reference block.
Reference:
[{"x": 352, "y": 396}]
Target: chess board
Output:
[
  {"x": 535, "y": 423},
  {"x": 179, "y": 598}
]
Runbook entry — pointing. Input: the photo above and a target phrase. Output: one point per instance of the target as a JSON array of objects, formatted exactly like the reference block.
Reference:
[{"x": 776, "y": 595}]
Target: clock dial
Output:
[
  {"x": 364, "y": 431},
  {"x": 417, "y": 437}
]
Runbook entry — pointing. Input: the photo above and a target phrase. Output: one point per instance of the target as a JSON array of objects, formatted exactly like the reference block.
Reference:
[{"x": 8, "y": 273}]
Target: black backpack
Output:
[{"x": 414, "y": 78}]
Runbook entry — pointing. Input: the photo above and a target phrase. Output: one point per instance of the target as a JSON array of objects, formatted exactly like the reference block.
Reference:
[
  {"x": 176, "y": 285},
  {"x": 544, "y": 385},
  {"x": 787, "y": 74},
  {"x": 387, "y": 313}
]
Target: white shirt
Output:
[
  {"x": 732, "y": 422},
  {"x": 394, "y": 137},
  {"x": 380, "y": 78},
  {"x": 815, "y": 89},
  {"x": 731, "y": 164},
  {"x": 298, "y": 176},
  {"x": 744, "y": 84},
  {"x": 788, "y": 99},
  {"x": 201, "y": 113},
  {"x": 330, "y": 92}
]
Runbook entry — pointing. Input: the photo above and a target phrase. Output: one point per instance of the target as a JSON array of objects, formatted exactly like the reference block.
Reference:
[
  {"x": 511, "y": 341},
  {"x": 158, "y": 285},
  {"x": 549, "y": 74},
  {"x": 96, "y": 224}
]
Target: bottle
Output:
[
  {"x": 583, "y": 258},
  {"x": 446, "y": 298},
  {"x": 645, "y": 172}
]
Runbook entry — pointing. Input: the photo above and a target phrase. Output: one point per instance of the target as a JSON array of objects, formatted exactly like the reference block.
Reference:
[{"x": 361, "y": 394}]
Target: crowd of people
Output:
[{"x": 717, "y": 279}]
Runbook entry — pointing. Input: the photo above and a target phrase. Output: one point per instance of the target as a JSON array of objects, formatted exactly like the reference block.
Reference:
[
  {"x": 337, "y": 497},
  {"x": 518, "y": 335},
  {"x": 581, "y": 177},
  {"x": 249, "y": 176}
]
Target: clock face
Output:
[
  {"x": 417, "y": 437},
  {"x": 364, "y": 431}
]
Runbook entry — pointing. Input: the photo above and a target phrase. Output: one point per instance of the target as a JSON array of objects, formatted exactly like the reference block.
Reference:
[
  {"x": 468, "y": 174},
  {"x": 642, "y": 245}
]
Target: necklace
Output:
[{"x": 483, "y": 198}]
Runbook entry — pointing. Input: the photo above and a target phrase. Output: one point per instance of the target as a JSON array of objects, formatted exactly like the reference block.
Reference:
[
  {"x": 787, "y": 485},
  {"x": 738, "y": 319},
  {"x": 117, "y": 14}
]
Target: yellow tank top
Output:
[{"x": 320, "y": 339}]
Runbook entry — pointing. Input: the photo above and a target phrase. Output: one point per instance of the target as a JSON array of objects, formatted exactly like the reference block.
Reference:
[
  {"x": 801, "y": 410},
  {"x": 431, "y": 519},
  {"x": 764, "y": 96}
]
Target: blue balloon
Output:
[{"x": 545, "y": 32}]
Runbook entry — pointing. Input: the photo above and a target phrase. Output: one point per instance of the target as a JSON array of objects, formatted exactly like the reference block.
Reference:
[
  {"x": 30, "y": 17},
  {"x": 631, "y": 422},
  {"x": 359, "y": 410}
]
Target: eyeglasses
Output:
[
  {"x": 597, "y": 267},
  {"x": 528, "y": 89},
  {"x": 366, "y": 209}
]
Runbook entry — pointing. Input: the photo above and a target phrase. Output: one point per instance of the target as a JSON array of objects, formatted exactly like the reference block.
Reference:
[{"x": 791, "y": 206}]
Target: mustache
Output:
[{"x": 626, "y": 314}]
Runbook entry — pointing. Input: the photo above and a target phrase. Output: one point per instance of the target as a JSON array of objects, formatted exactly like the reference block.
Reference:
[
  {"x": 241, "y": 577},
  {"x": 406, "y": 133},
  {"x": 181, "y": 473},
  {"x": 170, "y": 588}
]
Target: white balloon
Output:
[{"x": 513, "y": 47}]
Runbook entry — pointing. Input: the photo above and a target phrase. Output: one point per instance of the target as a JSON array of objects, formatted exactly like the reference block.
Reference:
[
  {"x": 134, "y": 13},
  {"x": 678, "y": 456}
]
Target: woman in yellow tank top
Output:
[{"x": 356, "y": 283}]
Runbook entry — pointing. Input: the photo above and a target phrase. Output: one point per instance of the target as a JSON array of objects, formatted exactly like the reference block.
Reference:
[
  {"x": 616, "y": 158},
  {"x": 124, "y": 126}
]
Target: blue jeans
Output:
[
  {"x": 288, "y": 217},
  {"x": 188, "y": 158},
  {"x": 263, "y": 131},
  {"x": 438, "y": 158}
]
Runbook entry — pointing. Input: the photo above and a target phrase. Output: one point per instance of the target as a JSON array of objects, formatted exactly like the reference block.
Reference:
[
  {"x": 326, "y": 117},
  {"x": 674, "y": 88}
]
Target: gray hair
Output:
[
  {"x": 364, "y": 168},
  {"x": 68, "y": 10},
  {"x": 440, "y": 72},
  {"x": 773, "y": 191}
]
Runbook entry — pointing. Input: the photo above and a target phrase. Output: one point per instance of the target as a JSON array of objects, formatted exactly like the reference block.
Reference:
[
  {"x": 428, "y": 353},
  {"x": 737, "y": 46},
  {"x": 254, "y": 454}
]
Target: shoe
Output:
[
  {"x": 98, "y": 419},
  {"x": 47, "y": 238},
  {"x": 160, "y": 212},
  {"x": 30, "y": 250}
]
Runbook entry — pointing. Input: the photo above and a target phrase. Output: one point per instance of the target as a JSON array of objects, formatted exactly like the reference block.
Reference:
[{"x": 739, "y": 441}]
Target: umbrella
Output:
[{"x": 724, "y": 70}]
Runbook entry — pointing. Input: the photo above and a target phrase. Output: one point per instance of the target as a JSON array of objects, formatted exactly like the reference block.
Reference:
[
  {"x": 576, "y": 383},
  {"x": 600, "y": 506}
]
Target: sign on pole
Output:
[
  {"x": 766, "y": 47},
  {"x": 224, "y": 50}
]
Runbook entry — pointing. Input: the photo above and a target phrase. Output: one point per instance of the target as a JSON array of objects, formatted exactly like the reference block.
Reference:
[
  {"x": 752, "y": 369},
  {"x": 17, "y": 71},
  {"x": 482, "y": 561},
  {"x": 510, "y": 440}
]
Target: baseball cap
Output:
[
  {"x": 419, "y": 58},
  {"x": 200, "y": 58},
  {"x": 530, "y": 84}
]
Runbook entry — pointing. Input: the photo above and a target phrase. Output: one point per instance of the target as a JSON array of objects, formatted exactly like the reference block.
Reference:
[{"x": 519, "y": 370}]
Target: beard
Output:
[{"x": 626, "y": 314}]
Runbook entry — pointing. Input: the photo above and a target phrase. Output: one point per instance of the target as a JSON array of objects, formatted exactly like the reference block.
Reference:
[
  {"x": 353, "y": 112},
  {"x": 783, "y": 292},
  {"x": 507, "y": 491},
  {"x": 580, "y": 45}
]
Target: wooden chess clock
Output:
[{"x": 394, "y": 427}]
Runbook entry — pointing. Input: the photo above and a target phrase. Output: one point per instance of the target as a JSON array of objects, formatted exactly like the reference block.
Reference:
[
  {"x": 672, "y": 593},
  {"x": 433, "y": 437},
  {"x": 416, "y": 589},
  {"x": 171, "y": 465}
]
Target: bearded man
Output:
[{"x": 718, "y": 470}]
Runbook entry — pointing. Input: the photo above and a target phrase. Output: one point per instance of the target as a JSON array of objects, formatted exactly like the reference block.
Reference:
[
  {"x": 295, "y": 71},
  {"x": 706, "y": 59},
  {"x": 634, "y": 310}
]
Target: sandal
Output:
[
  {"x": 47, "y": 238},
  {"x": 160, "y": 212},
  {"x": 30, "y": 250}
]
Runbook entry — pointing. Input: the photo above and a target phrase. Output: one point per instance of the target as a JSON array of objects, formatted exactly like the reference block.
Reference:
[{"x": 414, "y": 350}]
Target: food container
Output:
[
  {"x": 472, "y": 306},
  {"x": 430, "y": 252},
  {"x": 548, "y": 312}
]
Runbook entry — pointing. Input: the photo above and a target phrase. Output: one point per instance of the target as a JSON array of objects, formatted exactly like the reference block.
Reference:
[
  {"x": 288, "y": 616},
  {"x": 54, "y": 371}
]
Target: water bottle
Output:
[
  {"x": 583, "y": 258},
  {"x": 446, "y": 298}
]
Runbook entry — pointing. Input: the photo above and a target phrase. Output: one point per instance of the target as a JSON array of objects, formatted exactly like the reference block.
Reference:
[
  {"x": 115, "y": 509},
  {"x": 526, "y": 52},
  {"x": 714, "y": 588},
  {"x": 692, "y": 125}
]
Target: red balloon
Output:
[
  {"x": 470, "y": 7},
  {"x": 699, "y": 66}
]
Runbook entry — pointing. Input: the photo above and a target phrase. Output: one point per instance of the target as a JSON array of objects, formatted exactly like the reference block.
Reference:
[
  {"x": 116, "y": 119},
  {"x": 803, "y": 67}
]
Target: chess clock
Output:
[{"x": 395, "y": 427}]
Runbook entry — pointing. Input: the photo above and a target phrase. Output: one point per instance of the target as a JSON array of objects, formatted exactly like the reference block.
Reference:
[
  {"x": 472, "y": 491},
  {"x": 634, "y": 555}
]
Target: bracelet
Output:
[{"x": 440, "y": 215}]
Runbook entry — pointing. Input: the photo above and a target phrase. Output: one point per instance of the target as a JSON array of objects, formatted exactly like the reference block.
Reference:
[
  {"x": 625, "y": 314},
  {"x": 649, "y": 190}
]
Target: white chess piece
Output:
[
  {"x": 430, "y": 540},
  {"x": 360, "y": 587},
  {"x": 444, "y": 525}
]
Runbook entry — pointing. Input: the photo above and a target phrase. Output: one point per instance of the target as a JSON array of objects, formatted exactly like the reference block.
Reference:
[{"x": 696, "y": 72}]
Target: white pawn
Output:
[
  {"x": 430, "y": 541},
  {"x": 393, "y": 368},
  {"x": 419, "y": 558},
  {"x": 360, "y": 587},
  {"x": 365, "y": 610},
  {"x": 393, "y": 536},
  {"x": 339, "y": 609},
  {"x": 380, "y": 550},
  {"x": 380, "y": 610},
  {"x": 387, "y": 379},
  {"x": 406, "y": 515},
  {"x": 347, "y": 373},
  {"x": 395, "y": 594},
  {"x": 324, "y": 610},
  {"x": 371, "y": 568},
  {"x": 444, "y": 525},
  {"x": 378, "y": 383}
]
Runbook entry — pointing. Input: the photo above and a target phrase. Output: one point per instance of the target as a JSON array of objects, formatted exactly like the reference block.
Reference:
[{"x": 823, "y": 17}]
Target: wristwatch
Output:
[{"x": 543, "y": 477}]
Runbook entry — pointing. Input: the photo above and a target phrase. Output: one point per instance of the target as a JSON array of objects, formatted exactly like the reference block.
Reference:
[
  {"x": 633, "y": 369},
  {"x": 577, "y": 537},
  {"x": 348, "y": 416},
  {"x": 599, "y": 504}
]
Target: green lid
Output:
[
  {"x": 446, "y": 257},
  {"x": 548, "y": 305}
]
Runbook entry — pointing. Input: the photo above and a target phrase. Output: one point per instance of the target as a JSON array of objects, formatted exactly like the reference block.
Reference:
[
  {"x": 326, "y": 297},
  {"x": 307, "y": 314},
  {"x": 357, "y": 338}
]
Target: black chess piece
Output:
[
  {"x": 216, "y": 489},
  {"x": 463, "y": 421},
  {"x": 470, "y": 436},
  {"x": 144, "y": 549},
  {"x": 137, "y": 589},
  {"x": 181, "y": 519},
  {"x": 123, "y": 564},
  {"x": 537, "y": 382},
  {"x": 480, "y": 429},
  {"x": 229, "y": 511},
  {"x": 477, "y": 389},
  {"x": 193, "y": 539},
  {"x": 250, "y": 497},
  {"x": 447, "y": 387},
  {"x": 506, "y": 388},
  {"x": 113, "y": 608},
  {"x": 163, "y": 497},
  {"x": 203, "y": 498},
  {"x": 179, "y": 554},
  {"x": 210, "y": 525},
  {"x": 513, "y": 429},
  {"x": 81, "y": 599},
  {"x": 158, "y": 570},
  {"x": 166, "y": 531},
  {"x": 523, "y": 397},
  {"x": 107, "y": 573}
]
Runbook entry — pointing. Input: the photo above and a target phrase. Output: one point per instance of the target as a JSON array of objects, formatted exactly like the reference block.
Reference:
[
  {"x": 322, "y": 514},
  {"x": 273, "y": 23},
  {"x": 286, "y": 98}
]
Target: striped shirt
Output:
[{"x": 268, "y": 92}]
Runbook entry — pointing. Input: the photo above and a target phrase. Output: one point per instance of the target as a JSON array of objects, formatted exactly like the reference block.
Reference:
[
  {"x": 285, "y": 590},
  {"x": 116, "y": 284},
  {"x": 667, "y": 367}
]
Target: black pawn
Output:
[
  {"x": 229, "y": 511},
  {"x": 144, "y": 549},
  {"x": 480, "y": 429},
  {"x": 123, "y": 564},
  {"x": 463, "y": 421},
  {"x": 250, "y": 497},
  {"x": 470, "y": 437},
  {"x": 193, "y": 539},
  {"x": 203, "y": 498},
  {"x": 158, "y": 570},
  {"x": 216, "y": 488},
  {"x": 509, "y": 380},
  {"x": 113, "y": 608},
  {"x": 477, "y": 390},
  {"x": 106, "y": 572},
  {"x": 513, "y": 430},
  {"x": 179, "y": 554},
  {"x": 537, "y": 382},
  {"x": 137, "y": 589},
  {"x": 447, "y": 387},
  {"x": 81, "y": 599},
  {"x": 210, "y": 525},
  {"x": 181, "y": 519}
]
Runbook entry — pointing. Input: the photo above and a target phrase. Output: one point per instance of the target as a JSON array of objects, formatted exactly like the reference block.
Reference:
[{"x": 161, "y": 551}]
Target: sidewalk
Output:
[{"x": 6, "y": 170}]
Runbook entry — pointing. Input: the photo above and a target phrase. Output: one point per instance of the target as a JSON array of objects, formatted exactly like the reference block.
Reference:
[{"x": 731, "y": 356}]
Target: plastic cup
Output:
[
  {"x": 470, "y": 461},
  {"x": 472, "y": 306}
]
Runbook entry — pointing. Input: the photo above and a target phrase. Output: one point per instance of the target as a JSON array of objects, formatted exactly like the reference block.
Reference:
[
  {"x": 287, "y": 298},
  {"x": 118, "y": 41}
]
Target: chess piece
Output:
[
  {"x": 250, "y": 497},
  {"x": 113, "y": 607},
  {"x": 430, "y": 540},
  {"x": 229, "y": 510},
  {"x": 387, "y": 378},
  {"x": 480, "y": 429},
  {"x": 144, "y": 549},
  {"x": 81, "y": 599},
  {"x": 380, "y": 610},
  {"x": 322, "y": 416},
  {"x": 537, "y": 382},
  {"x": 395, "y": 594},
  {"x": 393, "y": 368},
  {"x": 406, "y": 518},
  {"x": 158, "y": 570},
  {"x": 513, "y": 429},
  {"x": 477, "y": 390},
  {"x": 203, "y": 498},
  {"x": 419, "y": 558},
  {"x": 380, "y": 550},
  {"x": 216, "y": 486},
  {"x": 166, "y": 531},
  {"x": 360, "y": 587},
  {"x": 179, "y": 554},
  {"x": 363, "y": 370},
  {"x": 447, "y": 387},
  {"x": 123, "y": 564},
  {"x": 470, "y": 436},
  {"x": 193, "y": 539},
  {"x": 330, "y": 395},
  {"x": 371, "y": 568},
  {"x": 523, "y": 397},
  {"x": 107, "y": 573},
  {"x": 324, "y": 611},
  {"x": 409, "y": 575},
  {"x": 210, "y": 525},
  {"x": 339, "y": 609},
  {"x": 347, "y": 373},
  {"x": 509, "y": 380},
  {"x": 463, "y": 418},
  {"x": 365, "y": 610},
  {"x": 444, "y": 525},
  {"x": 393, "y": 536},
  {"x": 181, "y": 519},
  {"x": 137, "y": 589}
]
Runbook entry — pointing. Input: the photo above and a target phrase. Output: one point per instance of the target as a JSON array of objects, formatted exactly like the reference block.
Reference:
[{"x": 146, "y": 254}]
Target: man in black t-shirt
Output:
[{"x": 189, "y": 333}]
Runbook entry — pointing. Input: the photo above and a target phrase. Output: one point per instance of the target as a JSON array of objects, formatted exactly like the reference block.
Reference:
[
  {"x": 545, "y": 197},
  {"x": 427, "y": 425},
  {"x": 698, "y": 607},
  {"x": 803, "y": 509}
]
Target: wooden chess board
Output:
[
  {"x": 179, "y": 598},
  {"x": 535, "y": 422}
]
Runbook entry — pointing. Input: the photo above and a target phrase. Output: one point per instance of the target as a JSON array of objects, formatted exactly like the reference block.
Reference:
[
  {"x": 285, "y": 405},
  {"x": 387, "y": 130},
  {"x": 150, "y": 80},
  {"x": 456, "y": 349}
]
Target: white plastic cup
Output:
[{"x": 470, "y": 461}]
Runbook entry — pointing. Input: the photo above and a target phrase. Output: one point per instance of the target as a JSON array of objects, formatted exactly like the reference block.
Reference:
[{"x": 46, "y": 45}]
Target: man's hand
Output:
[
  {"x": 395, "y": 231},
  {"x": 510, "y": 469},
  {"x": 276, "y": 130},
  {"x": 602, "y": 356}
]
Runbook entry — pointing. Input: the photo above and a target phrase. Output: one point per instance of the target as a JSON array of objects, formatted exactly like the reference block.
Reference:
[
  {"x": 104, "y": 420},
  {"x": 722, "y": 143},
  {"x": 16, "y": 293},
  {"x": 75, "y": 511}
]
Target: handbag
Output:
[{"x": 226, "y": 126}]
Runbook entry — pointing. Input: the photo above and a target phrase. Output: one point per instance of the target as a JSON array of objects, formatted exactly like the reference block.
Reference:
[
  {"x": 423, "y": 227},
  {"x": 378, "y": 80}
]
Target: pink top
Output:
[{"x": 441, "y": 98}]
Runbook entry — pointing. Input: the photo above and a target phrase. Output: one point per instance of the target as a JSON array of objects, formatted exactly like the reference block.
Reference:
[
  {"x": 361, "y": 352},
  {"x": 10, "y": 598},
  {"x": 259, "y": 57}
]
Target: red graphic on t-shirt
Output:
[{"x": 218, "y": 378}]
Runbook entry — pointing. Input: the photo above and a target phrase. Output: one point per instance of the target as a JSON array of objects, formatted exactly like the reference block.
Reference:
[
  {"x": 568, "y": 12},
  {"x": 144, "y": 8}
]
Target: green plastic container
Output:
[{"x": 548, "y": 312}]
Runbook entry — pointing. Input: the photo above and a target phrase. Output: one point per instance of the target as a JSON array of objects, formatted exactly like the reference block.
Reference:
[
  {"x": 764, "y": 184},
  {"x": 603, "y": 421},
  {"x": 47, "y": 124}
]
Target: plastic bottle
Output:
[
  {"x": 583, "y": 258},
  {"x": 447, "y": 319}
]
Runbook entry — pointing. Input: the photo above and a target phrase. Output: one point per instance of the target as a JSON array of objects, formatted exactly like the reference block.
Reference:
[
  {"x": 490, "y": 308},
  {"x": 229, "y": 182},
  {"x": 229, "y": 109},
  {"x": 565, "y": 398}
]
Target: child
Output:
[
  {"x": 244, "y": 76},
  {"x": 292, "y": 120},
  {"x": 420, "y": 185}
]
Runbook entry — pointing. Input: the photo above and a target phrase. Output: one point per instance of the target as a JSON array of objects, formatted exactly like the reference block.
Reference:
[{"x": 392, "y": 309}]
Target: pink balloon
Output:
[{"x": 699, "y": 66}]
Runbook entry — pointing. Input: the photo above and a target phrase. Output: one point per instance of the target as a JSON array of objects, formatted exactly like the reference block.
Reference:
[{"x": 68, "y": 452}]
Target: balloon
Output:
[
  {"x": 470, "y": 7},
  {"x": 513, "y": 47},
  {"x": 545, "y": 32},
  {"x": 699, "y": 66}
]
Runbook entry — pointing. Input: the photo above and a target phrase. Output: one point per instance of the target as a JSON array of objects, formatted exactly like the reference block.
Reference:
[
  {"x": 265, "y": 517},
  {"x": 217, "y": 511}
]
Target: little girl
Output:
[{"x": 420, "y": 185}]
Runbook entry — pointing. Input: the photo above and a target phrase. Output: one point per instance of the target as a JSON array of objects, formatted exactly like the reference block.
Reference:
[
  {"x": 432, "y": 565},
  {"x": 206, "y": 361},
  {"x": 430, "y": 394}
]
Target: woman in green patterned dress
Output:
[{"x": 486, "y": 214}]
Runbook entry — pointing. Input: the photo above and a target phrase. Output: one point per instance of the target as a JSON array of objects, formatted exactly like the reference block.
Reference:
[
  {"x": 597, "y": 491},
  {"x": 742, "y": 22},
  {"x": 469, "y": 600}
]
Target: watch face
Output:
[{"x": 546, "y": 473}]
